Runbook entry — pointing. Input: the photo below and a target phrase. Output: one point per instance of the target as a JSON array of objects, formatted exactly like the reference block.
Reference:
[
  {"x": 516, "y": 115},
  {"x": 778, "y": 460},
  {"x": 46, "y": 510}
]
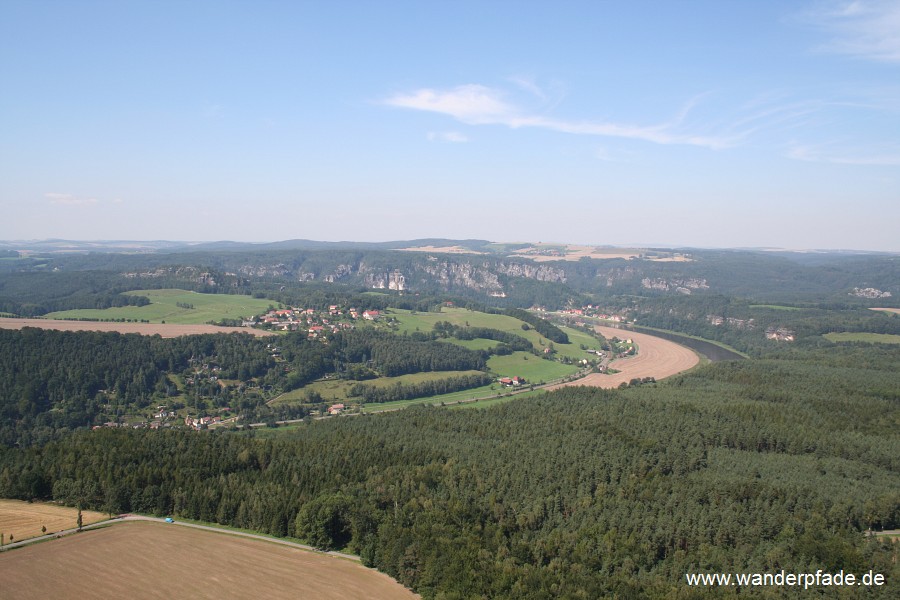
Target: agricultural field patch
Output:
[
  {"x": 775, "y": 307},
  {"x": 871, "y": 338},
  {"x": 476, "y": 344},
  {"x": 153, "y": 560},
  {"x": 486, "y": 391},
  {"x": 23, "y": 520},
  {"x": 461, "y": 317},
  {"x": 176, "y": 306},
  {"x": 534, "y": 369},
  {"x": 166, "y": 330},
  {"x": 656, "y": 357},
  {"x": 337, "y": 390},
  {"x": 573, "y": 252},
  {"x": 441, "y": 250},
  {"x": 893, "y": 311}
]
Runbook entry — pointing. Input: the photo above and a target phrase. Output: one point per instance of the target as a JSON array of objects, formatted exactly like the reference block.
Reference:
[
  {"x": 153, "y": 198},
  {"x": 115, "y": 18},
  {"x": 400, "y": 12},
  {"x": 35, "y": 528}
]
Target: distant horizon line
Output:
[{"x": 633, "y": 246}]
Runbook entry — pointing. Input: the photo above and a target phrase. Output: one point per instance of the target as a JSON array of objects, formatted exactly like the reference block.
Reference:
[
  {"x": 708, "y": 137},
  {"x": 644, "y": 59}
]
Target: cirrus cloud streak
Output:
[{"x": 475, "y": 104}]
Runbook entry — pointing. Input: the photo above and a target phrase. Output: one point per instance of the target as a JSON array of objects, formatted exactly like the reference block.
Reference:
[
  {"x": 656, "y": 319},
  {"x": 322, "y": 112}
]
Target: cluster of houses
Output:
[
  {"x": 590, "y": 310},
  {"x": 779, "y": 334},
  {"x": 512, "y": 381},
  {"x": 719, "y": 321},
  {"x": 198, "y": 423},
  {"x": 315, "y": 323}
]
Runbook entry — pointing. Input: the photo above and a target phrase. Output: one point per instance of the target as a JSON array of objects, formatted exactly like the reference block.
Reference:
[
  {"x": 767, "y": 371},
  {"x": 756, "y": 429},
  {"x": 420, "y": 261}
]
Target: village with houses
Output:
[{"x": 317, "y": 323}]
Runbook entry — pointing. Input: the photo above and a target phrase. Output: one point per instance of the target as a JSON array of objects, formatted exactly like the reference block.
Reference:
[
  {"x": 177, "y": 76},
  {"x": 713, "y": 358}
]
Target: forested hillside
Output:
[
  {"x": 753, "y": 466},
  {"x": 55, "y": 380},
  {"x": 44, "y": 283}
]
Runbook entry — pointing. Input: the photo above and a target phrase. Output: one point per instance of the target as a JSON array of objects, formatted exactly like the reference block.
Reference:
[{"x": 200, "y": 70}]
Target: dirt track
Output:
[
  {"x": 166, "y": 330},
  {"x": 656, "y": 357}
]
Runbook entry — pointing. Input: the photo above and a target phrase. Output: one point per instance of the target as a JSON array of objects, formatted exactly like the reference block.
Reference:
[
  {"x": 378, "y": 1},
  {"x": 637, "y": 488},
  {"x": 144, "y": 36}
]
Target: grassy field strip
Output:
[
  {"x": 338, "y": 389},
  {"x": 164, "y": 307},
  {"x": 474, "y": 398},
  {"x": 871, "y": 338},
  {"x": 775, "y": 307}
]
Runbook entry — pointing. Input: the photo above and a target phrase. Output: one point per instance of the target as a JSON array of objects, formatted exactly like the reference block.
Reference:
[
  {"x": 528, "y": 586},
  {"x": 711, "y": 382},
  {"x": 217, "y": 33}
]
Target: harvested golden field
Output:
[
  {"x": 570, "y": 252},
  {"x": 573, "y": 252},
  {"x": 896, "y": 311},
  {"x": 142, "y": 560},
  {"x": 441, "y": 249},
  {"x": 656, "y": 357},
  {"x": 166, "y": 330},
  {"x": 24, "y": 520}
]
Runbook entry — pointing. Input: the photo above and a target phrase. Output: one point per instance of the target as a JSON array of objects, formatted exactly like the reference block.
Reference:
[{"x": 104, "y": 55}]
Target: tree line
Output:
[{"x": 406, "y": 391}]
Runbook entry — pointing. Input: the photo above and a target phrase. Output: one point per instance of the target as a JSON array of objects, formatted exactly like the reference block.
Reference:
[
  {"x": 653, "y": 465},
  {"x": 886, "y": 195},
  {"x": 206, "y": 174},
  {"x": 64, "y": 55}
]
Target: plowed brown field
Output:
[
  {"x": 166, "y": 330},
  {"x": 143, "y": 560},
  {"x": 656, "y": 357}
]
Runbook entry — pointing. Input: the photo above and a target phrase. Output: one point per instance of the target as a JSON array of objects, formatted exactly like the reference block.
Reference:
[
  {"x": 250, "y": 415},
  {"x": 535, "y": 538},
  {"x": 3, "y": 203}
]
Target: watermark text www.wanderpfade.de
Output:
[{"x": 785, "y": 579}]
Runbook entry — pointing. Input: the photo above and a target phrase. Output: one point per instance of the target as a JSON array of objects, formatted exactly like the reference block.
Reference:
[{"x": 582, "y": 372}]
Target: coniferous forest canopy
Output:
[{"x": 781, "y": 461}]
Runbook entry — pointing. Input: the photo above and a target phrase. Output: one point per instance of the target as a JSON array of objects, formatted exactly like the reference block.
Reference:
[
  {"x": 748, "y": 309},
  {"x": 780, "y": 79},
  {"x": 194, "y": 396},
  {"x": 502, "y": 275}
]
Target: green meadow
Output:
[
  {"x": 533, "y": 368},
  {"x": 487, "y": 391},
  {"x": 871, "y": 338},
  {"x": 775, "y": 307},
  {"x": 338, "y": 390},
  {"x": 476, "y": 344},
  {"x": 462, "y": 317},
  {"x": 164, "y": 307}
]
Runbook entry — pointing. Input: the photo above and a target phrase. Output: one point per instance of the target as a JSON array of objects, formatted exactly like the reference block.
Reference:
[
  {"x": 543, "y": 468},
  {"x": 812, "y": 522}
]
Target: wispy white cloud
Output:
[
  {"x": 867, "y": 29},
  {"x": 475, "y": 104},
  {"x": 529, "y": 85},
  {"x": 823, "y": 154},
  {"x": 61, "y": 199},
  {"x": 447, "y": 136}
]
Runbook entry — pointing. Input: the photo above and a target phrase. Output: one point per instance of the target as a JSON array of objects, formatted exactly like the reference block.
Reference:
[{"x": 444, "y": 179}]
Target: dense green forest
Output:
[
  {"x": 778, "y": 462},
  {"x": 750, "y": 466},
  {"x": 106, "y": 376}
]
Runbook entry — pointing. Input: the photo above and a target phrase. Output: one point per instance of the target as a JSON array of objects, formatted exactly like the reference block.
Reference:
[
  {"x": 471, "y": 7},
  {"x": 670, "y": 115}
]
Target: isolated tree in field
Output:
[
  {"x": 79, "y": 518},
  {"x": 43, "y": 529}
]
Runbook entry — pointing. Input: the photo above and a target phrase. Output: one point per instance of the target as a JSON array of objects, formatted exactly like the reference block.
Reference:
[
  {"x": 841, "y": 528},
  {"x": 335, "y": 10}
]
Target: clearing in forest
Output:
[
  {"x": 870, "y": 338},
  {"x": 153, "y": 560}
]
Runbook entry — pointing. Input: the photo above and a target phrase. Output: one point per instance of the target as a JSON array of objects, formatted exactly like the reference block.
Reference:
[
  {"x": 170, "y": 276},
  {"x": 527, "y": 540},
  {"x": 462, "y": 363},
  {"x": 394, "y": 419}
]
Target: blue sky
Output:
[{"x": 707, "y": 124}]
